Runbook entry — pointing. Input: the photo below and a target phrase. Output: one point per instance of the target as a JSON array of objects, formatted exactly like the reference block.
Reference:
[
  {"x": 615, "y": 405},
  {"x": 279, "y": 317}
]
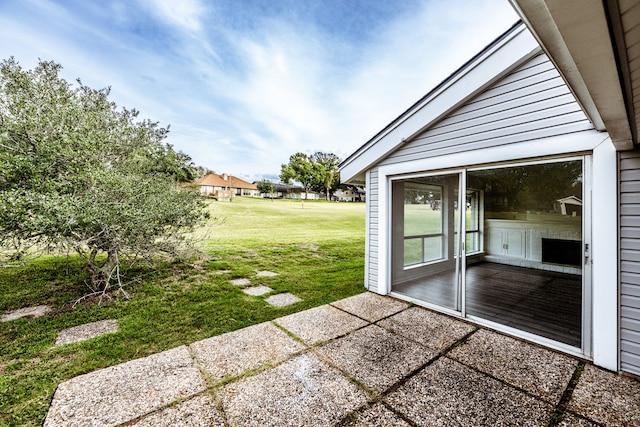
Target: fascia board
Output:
[
  {"x": 580, "y": 47},
  {"x": 498, "y": 61}
]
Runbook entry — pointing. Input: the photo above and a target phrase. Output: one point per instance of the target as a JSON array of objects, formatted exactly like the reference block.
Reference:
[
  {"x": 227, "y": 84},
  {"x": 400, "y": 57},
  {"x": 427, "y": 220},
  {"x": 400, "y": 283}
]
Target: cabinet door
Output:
[
  {"x": 515, "y": 243},
  {"x": 494, "y": 241}
]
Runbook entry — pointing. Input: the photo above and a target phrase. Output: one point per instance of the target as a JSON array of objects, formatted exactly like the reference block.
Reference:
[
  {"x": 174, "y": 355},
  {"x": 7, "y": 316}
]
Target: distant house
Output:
[
  {"x": 570, "y": 205},
  {"x": 225, "y": 186},
  {"x": 349, "y": 195},
  {"x": 285, "y": 191}
]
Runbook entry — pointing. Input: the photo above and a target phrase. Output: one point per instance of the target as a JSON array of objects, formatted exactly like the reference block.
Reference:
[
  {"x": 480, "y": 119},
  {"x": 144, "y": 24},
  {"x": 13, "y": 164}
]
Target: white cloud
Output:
[
  {"x": 243, "y": 98},
  {"x": 184, "y": 14}
]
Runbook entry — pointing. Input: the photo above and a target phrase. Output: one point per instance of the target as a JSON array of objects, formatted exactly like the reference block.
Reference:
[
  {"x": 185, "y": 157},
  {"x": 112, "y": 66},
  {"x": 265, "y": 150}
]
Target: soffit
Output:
[{"x": 579, "y": 37}]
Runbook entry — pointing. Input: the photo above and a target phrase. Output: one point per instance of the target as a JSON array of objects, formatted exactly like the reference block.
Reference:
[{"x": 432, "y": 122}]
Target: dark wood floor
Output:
[{"x": 544, "y": 303}]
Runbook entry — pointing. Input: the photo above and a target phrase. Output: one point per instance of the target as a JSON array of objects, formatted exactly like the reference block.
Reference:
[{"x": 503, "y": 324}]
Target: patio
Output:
[{"x": 365, "y": 360}]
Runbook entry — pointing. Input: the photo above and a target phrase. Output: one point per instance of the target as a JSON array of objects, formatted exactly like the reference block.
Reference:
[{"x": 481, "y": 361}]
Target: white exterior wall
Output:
[
  {"x": 530, "y": 103},
  {"x": 371, "y": 250},
  {"x": 629, "y": 226},
  {"x": 529, "y": 113}
]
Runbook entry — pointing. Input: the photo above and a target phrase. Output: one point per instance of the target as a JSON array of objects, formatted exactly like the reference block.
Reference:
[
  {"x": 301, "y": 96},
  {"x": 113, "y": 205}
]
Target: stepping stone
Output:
[
  {"x": 30, "y": 312},
  {"x": 257, "y": 290},
  {"x": 239, "y": 351},
  {"x": 86, "y": 331},
  {"x": 320, "y": 324},
  {"x": 281, "y": 300},
  {"x": 265, "y": 273},
  {"x": 116, "y": 395},
  {"x": 303, "y": 391},
  {"x": 240, "y": 282},
  {"x": 370, "y": 306}
]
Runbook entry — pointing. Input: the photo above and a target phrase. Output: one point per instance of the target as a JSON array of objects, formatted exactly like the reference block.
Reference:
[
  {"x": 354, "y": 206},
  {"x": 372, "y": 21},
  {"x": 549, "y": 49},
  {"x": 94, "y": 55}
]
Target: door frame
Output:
[{"x": 603, "y": 298}]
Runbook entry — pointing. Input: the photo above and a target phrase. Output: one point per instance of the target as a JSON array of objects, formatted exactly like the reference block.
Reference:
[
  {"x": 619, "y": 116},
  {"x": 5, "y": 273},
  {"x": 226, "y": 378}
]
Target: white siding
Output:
[
  {"x": 372, "y": 199},
  {"x": 531, "y": 102},
  {"x": 630, "y": 262}
]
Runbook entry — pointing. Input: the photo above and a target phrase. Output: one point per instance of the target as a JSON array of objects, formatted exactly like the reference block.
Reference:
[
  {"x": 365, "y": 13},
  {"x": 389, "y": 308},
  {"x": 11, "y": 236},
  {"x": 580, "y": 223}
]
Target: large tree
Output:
[
  {"x": 300, "y": 168},
  {"x": 325, "y": 172},
  {"x": 78, "y": 173},
  {"x": 266, "y": 187}
]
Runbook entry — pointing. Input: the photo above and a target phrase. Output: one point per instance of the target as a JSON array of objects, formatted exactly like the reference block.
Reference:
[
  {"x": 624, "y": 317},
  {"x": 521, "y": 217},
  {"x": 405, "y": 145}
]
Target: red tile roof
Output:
[{"x": 216, "y": 180}]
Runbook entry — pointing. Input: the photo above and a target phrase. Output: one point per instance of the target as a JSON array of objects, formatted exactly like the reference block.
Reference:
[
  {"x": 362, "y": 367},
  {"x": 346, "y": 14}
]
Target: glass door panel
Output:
[
  {"x": 526, "y": 270},
  {"x": 425, "y": 218}
]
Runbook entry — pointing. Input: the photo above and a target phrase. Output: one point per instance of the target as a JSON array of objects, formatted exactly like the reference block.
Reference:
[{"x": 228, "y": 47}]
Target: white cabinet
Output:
[{"x": 507, "y": 242}]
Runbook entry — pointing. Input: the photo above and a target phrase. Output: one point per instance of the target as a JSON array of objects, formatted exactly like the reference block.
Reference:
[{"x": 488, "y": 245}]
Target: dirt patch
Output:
[
  {"x": 218, "y": 272},
  {"x": 281, "y": 300},
  {"x": 310, "y": 247},
  {"x": 26, "y": 312}
]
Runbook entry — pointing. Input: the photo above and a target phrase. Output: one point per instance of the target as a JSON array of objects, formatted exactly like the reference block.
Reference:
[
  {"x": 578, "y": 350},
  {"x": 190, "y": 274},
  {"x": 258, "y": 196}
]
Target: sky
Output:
[{"x": 244, "y": 84}]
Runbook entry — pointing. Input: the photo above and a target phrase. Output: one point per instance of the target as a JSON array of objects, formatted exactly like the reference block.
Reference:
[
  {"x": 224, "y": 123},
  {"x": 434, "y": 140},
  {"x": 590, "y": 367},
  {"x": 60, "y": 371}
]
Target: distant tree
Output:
[
  {"x": 77, "y": 173},
  {"x": 202, "y": 171},
  {"x": 174, "y": 164},
  {"x": 266, "y": 187},
  {"x": 300, "y": 168},
  {"x": 325, "y": 172}
]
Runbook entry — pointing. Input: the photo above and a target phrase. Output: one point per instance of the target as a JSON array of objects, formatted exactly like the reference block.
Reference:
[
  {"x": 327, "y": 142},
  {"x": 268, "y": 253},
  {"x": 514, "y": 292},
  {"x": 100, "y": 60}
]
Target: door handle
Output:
[{"x": 587, "y": 252}]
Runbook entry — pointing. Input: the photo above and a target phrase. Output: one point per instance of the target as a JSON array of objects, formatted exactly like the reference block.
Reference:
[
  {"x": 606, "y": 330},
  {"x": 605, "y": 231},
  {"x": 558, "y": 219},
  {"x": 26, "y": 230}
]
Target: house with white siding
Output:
[{"x": 465, "y": 188}]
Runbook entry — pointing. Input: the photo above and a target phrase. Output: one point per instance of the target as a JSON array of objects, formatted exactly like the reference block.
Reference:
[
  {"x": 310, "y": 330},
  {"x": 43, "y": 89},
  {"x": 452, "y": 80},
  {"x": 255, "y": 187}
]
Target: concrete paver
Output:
[
  {"x": 543, "y": 372},
  {"x": 236, "y": 352},
  {"x": 447, "y": 393},
  {"x": 282, "y": 300},
  {"x": 320, "y": 324},
  {"x": 370, "y": 306},
  {"x": 303, "y": 391},
  {"x": 86, "y": 331},
  {"x": 240, "y": 282},
  {"x": 266, "y": 273},
  {"x": 378, "y": 415},
  {"x": 376, "y": 357},
  {"x": 607, "y": 398},
  {"x": 117, "y": 394},
  {"x": 570, "y": 420},
  {"x": 436, "y": 331},
  {"x": 199, "y": 411},
  {"x": 257, "y": 290},
  {"x": 26, "y": 312},
  {"x": 407, "y": 373}
]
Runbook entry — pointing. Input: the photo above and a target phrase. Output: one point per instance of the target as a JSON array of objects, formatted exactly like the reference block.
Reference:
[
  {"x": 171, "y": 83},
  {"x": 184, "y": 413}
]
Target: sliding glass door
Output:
[
  {"x": 425, "y": 242},
  {"x": 519, "y": 262},
  {"x": 529, "y": 276}
]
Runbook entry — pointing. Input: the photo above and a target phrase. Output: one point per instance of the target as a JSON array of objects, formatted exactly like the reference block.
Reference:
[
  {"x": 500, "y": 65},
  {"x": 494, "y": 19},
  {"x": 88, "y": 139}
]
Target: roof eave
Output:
[
  {"x": 585, "y": 59},
  {"x": 491, "y": 64}
]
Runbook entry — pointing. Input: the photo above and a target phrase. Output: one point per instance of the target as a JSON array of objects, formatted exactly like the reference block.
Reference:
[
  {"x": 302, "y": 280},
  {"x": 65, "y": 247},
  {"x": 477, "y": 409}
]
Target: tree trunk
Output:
[{"x": 101, "y": 275}]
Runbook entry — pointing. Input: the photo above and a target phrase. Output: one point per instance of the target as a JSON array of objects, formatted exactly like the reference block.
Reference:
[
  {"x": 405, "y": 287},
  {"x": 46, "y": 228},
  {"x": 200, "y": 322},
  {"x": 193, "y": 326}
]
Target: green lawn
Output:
[{"x": 316, "y": 247}]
